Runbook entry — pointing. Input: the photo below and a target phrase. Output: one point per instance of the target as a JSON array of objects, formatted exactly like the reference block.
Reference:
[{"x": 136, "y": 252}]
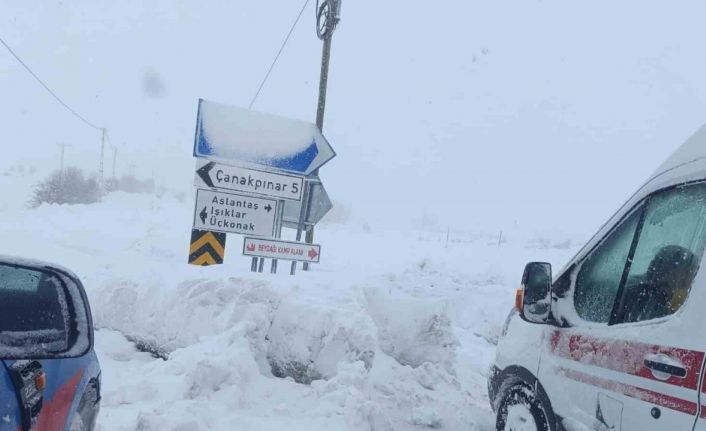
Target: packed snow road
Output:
[{"x": 393, "y": 331}]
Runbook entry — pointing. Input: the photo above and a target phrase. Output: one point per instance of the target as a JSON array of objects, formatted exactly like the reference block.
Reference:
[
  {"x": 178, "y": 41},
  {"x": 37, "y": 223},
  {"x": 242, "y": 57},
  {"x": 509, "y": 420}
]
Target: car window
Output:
[
  {"x": 33, "y": 310},
  {"x": 667, "y": 255},
  {"x": 600, "y": 274}
]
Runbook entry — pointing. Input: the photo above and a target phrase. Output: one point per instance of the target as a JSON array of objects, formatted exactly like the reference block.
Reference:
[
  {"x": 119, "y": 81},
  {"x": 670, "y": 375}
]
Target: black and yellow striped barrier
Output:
[{"x": 207, "y": 248}]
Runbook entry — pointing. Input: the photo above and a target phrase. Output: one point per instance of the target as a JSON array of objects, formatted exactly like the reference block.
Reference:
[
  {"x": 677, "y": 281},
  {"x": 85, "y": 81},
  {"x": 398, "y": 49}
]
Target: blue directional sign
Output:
[{"x": 233, "y": 134}]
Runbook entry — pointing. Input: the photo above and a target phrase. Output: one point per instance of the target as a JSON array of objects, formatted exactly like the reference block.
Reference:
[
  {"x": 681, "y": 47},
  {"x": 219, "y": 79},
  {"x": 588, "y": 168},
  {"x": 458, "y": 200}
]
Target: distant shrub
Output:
[{"x": 67, "y": 187}]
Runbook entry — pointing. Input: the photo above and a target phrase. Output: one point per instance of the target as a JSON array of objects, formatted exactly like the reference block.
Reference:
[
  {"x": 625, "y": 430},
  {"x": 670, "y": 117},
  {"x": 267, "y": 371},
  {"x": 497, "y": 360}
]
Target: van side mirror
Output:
[
  {"x": 44, "y": 313},
  {"x": 535, "y": 296}
]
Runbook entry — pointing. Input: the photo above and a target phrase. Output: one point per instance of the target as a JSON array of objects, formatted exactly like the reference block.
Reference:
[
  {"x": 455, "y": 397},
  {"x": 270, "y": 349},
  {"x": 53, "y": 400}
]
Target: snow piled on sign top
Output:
[{"x": 229, "y": 132}]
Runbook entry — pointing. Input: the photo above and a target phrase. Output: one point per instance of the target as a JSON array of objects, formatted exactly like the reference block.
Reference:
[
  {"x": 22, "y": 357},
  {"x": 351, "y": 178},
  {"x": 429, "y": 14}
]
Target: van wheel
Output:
[{"x": 520, "y": 410}]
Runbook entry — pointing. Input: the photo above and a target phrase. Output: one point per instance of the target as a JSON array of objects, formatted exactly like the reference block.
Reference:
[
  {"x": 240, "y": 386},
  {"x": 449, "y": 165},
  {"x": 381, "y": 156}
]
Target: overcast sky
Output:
[{"x": 547, "y": 114}]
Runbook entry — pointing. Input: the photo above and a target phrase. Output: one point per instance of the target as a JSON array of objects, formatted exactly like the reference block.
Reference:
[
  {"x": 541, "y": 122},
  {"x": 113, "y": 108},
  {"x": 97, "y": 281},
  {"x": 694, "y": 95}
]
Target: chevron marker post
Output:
[{"x": 207, "y": 248}]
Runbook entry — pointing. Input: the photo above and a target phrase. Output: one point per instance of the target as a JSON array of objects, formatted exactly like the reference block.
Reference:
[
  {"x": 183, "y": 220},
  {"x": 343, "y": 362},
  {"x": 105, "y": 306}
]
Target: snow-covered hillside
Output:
[{"x": 396, "y": 329}]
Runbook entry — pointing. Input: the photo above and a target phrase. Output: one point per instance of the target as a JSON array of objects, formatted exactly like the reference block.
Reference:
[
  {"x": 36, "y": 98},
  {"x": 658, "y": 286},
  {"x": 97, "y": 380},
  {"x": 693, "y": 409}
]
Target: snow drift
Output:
[{"x": 386, "y": 341}]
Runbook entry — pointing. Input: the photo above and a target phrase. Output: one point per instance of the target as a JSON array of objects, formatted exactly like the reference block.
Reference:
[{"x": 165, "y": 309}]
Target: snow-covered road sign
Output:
[
  {"x": 227, "y": 133},
  {"x": 285, "y": 250},
  {"x": 251, "y": 181},
  {"x": 219, "y": 211},
  {"x": 207, "y": 248},
  {"x": 320, "y": 205}
]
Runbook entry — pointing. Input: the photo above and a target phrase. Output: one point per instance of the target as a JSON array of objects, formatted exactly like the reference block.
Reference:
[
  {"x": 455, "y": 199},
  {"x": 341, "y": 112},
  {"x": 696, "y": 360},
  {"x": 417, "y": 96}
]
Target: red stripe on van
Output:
[
  {"x": 625, "y": 356},
  {"x": 646, "y": 395}
]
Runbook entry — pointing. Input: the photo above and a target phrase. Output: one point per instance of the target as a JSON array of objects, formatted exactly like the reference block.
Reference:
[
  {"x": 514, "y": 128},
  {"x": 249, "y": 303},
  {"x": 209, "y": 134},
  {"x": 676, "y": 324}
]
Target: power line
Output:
[
  {"x": 58, "y": 99},
  {"x": 272, "y": 66}
]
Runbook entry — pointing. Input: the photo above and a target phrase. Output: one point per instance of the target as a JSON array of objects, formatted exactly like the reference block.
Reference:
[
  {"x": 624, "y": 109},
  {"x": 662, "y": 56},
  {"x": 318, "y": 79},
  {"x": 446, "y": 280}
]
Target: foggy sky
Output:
[{"x": 539, "y": 114}]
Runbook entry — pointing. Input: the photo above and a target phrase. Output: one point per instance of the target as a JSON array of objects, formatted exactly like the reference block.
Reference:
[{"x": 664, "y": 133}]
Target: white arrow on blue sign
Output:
[{"x": 228, "y": 133}]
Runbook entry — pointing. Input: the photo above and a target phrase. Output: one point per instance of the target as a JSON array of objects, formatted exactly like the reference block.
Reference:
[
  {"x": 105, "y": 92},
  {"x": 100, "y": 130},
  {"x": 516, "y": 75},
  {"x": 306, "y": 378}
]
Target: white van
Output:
[{"x": 616, "y": 340}]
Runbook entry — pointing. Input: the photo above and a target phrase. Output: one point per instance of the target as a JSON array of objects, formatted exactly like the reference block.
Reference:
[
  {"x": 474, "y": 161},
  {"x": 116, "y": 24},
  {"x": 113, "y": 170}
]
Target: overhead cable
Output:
[
  {"x": 49, "y": 90},
  {"x": 272, "y": 66}
]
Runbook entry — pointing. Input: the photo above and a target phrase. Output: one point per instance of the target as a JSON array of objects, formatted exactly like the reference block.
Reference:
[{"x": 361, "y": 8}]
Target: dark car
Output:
[{"x": 50, "y": 376}]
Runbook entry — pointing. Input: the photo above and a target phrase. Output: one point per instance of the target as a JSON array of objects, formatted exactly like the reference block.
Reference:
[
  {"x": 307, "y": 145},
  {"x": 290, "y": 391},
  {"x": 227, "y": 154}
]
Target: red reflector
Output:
[{"x": 40, "y": 382}]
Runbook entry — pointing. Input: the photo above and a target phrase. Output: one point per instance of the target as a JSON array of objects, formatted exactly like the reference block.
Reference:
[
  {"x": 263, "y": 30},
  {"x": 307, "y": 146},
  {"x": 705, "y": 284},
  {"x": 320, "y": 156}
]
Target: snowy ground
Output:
[{"x": 396, "y": 328}]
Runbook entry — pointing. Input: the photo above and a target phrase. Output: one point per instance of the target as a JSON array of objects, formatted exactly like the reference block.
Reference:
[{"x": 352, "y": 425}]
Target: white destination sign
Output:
[
  {"x": 285, "y": 250},
  {"x": 233, "y": 213},
  {"x": 251, "y": 181}
]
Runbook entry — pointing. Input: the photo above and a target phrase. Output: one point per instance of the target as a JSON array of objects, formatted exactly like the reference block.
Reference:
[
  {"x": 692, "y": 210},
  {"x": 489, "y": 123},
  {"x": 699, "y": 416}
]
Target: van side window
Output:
[
  {"x": 667, "y": 255},
  {"x": 599, "y": 278}
]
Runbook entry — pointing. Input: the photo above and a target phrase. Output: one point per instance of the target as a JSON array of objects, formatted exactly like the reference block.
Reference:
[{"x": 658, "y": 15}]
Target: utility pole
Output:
[
  {"x": 323, "y": 83},
  {"x": 328, "y": 15},
  {"x": 63, "y": 146},
  {"x": 100, "y": 166},
  {"x": 115, "y": 157}
]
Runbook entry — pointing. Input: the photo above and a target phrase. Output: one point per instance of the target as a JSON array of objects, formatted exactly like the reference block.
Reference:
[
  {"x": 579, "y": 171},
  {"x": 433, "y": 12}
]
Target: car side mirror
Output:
[
  {"x": 534, "y": 298},
  {"x": 44, "y": 313}
]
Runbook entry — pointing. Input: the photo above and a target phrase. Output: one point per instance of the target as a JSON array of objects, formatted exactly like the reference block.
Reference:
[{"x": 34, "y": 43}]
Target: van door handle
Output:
[{"x": 662, "y": 364}]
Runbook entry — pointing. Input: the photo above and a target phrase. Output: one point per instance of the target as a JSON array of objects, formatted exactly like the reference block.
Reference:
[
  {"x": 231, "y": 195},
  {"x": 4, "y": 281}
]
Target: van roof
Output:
[
  {"x": 687, "y": 163},
  {"x": 690, "y": 151}
]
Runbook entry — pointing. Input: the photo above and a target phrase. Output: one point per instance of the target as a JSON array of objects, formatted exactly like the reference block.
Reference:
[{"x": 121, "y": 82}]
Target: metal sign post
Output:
[
  {"x": 302, "y": 219},
  {"x": 328, "y": 15},
  {"x": 278, "y": 233}
]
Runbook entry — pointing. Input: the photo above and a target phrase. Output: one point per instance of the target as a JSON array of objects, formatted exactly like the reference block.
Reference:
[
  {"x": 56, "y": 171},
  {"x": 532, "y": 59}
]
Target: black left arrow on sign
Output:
[
  {"x": 204, "y": 171},
  {"x": 203, "y": 215}
]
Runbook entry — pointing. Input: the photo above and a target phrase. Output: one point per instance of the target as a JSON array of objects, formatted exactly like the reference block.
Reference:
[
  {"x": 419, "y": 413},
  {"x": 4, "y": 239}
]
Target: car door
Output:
[
  {"x": 64, "y": 378},
  {"x": 623, "y": 359},
  {"x": 9, "y": 407},
  {"x": 46, "y": 404}
]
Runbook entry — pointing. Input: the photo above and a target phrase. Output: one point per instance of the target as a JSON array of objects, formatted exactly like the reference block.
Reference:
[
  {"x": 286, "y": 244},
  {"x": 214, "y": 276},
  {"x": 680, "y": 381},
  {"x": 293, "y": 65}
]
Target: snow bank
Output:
[
  {"x": 378, "y": 360},
  {"x": 167, "y": 319},
  {"x": 411, "y": 330},
  {"x": 226, "y": 374},
  {"x": 308, "y": 342},
  {"x": 386, "y": 341},
  {"x": 299, "y": 339}
]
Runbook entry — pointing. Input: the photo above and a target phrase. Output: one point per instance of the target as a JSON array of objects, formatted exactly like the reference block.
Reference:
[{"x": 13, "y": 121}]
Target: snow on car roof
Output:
[{"x": 22, "y": 261}]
